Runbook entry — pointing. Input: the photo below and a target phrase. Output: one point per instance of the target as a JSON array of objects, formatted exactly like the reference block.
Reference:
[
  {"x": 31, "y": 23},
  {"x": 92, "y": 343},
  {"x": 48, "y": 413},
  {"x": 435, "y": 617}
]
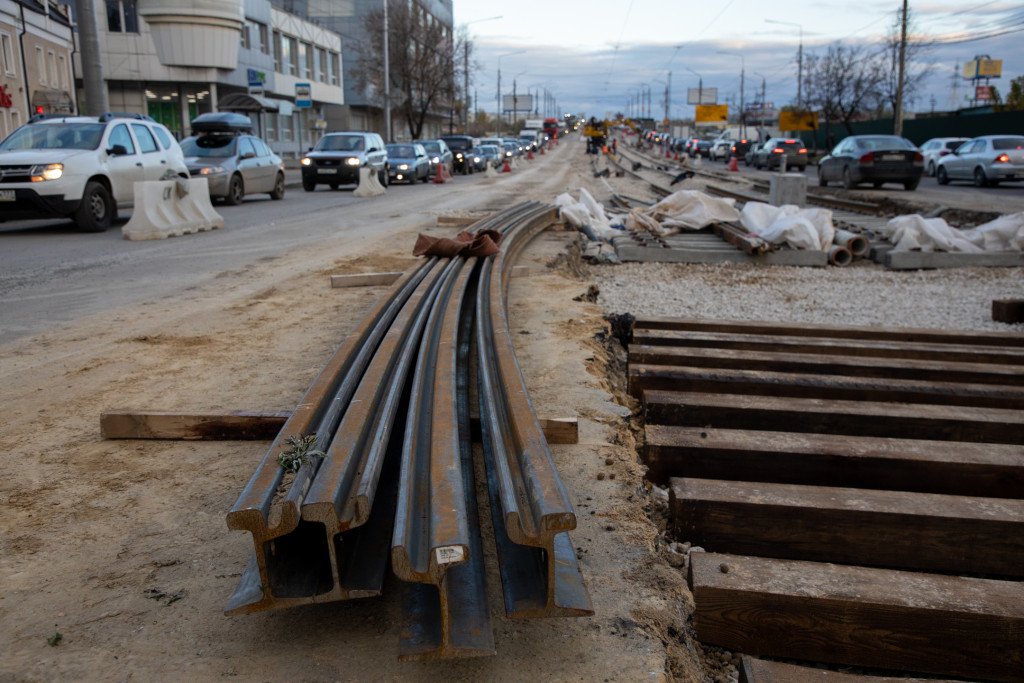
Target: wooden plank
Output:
[
  {"x": 364, "y": 279},
  {"x": 951, "y": 467},
  {"x": 1009, "y": 311},
  {"x": 878, "y": 618},
  {"x": 918, "y": 260},
  {"x": 903, "y": 368},
  {"x": 904, "y": 334},
  {"x": 252, "y": 425},
  {"x": 821, "y": 416},
  {"x": 959, "y": 353},
  {"x": 806, "y": 385},
  {"x": 895, "y": 529},
  {"x": 240, "y": 425},
  {"x": 754, "y": 670},
  {"x": 457, "y": 221}
]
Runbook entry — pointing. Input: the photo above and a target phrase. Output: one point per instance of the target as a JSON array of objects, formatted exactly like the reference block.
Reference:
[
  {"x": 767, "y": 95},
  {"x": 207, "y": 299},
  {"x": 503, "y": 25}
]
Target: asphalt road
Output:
[{"x": 50, "y": 273}]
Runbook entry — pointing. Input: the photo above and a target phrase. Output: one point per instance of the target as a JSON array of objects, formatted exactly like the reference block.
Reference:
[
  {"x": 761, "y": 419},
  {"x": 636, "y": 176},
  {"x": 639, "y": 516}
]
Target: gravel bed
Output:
[{"x": 959, "y": 298}]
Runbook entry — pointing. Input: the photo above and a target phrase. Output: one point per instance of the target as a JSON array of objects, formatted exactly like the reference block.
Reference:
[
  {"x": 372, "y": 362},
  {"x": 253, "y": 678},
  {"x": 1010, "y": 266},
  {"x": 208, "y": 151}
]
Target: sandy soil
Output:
[{"x": 122, "y": 547}]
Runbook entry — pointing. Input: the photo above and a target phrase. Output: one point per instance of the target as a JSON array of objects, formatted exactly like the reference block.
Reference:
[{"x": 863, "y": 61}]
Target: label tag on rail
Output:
[{"x": 449, "y": 554}]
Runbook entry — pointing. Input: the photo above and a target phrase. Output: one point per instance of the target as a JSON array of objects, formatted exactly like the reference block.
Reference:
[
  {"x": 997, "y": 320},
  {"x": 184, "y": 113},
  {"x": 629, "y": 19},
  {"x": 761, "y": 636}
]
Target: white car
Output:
[
  {"x": 720, "y": 148},
  {"x": 935, "y": 149},
  {"x": 83, "y": 167}
]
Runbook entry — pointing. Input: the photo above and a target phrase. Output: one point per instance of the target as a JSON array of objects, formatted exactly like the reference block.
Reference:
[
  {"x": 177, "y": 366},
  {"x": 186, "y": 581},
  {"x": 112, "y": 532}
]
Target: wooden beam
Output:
[
  {"x": 1009, "y": 311},
  {"x": 806, "y": 385},
  {"x": 251, "y": 425},
  {"x": 364, "y": 279},
  {"x": 820, "y": 416},
  {"x": 951, "y": 467},
  {"x": 826, "y": 364},
  {"x": 957, "y": 353},
  {"x": 879, "y": 618},
  {"x": 457, "y": 221},
  {"x": 903, "y": 334},
  {"x": 240, "y": 425},
  {"x": 896, "y": 529},
  {"x": 754, "y": 670}
]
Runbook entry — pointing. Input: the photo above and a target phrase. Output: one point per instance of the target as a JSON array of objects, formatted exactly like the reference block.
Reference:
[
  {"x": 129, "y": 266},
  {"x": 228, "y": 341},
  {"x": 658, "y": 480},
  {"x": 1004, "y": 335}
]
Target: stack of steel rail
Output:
[{"x": 394, "y": 480}]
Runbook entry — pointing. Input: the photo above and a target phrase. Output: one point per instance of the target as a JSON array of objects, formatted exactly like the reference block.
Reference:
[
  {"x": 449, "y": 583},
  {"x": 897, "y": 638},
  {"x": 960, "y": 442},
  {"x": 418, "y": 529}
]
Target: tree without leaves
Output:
[
  {"x": 425, "y": 64},
  {"x": 843, "y": 84}
]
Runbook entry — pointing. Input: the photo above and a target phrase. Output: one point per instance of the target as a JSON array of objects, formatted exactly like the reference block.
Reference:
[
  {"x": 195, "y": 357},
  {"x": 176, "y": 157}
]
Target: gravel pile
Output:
[{"x": 958, "y": 298}]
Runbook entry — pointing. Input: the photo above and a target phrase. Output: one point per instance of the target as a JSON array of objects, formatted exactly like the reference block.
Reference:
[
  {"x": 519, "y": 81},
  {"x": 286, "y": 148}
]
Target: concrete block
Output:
[
  {"x": 787, "y": 188},
  {"x": 369, "y": 184},
  {"x": 169, "y": 208},
  {"x": 917, "y": 260}
]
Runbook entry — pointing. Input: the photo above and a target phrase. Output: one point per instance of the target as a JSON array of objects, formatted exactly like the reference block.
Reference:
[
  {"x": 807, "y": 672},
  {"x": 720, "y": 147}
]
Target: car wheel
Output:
[
  {"x": 942, "y": 176},
  {"x": 308, "y": 185},
  {"x": 801, "y": 168},
  {"x": 911, "y": 184},
  {"x": 333, "y": 186},
  {"x": 979, "y": 177},
  {"x": 96, "y": 212},
  {"x": 426, "y": 178},
  {"x": 876, "y": 185},
  {"x": 278, "y": 191},
  {"x": 236, "y": 191},
  {"x": 821, "y": 179},
  {"x": 848, "y": 179},
  {"x": 931, "y": 168},
  {"x": 382, "y": 176}
]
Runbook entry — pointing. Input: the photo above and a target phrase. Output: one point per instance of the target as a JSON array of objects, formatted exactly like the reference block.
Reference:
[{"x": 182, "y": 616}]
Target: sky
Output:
[{"x": 593, "y": 57}]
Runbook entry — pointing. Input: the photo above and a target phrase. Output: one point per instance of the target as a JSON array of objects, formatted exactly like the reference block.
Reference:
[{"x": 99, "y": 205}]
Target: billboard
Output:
[
  {"x": 522, "y": 103},
  {"x": 983, "y": 92},
  {"x": 983, "y": 68},
  {"x": 712, "y": 113},
  {"x": 701, "y": 95},
  {"x": 798, "y": 120}
]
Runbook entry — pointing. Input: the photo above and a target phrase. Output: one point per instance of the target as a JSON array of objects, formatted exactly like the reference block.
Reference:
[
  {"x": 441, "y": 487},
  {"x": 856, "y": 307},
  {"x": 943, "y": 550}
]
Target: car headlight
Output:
[
  {"x": 306, "y": 161},
  {"x": 459, "y": 155},
  {"x": 476, "y": 160},
  {"x": 41, "y": 172},
  {"x": 353, "y": 161},
  {"x": 403, "y": 167},
  {"x": 211, "y": 170},
  {"x": 508, "y": 154},
  {"x": 435, "y": 160}
]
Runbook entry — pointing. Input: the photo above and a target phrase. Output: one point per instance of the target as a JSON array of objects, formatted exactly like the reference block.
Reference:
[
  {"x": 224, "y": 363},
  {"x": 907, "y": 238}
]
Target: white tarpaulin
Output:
[
  {"x": 587, "y": 212},
  {"x": 692, "y": 210},
  {"x": 789, "y": 224},
  {"x": 1005, "y": 233}
]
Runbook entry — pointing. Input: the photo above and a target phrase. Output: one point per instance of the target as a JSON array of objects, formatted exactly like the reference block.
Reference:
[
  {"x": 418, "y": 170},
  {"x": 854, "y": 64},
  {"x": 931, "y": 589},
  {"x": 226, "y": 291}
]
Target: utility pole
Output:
[
  {"x": 96, "y": 101},
  {"x": 387, "y": 79},
  {"x": 668, "y": 99},
  {"x": 465, "y": 81},
  {"x": 897, "y": 114}
]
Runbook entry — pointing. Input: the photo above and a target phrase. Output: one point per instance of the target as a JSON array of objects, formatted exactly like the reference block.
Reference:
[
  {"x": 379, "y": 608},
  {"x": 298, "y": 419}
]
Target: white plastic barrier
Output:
[
  {"x": 168, "y": 208},
  {"x": 369, "y": 185}
]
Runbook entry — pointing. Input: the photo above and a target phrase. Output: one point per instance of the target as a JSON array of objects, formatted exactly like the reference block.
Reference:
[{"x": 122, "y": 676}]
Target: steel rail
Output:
[
  {"x": 530, "y": 506},
  {"x": 275, "y": 520}
]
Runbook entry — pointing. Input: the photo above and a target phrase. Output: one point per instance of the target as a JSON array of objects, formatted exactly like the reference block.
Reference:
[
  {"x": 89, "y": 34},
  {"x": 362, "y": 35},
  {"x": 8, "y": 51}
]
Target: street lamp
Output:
[
  {"x": 799, "y": 60},
  {"x": 743, "y": 76},
  {"x": 647, "y": 87},
  {"x": 658, "y": 80},
  {"x": 465, "y": 69},
  {"x": 498, "y": 111}
]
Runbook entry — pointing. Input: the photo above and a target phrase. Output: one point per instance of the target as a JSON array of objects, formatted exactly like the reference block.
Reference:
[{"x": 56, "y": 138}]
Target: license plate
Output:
[
  {"x": 328, "y": 170},
  {"x": 892, "y": 157},
  {"x": 7, "y": 195}
]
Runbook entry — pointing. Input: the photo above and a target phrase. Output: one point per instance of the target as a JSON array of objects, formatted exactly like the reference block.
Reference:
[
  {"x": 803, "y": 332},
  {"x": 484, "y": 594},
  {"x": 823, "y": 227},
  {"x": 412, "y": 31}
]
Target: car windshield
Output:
[
  {"x": 55, "y": 136},
  {"x": 432, "y": 147},
  {"x": 401, "y": 151},
  {"x": 209, "y": 146},
  {"x": 488, "y": 149},
  {"x": 340, "y": 143},
  {"x": 458, "y": 144},
  {"x": 885, "y": 142},
  {"x": 1008, "y": 143}
]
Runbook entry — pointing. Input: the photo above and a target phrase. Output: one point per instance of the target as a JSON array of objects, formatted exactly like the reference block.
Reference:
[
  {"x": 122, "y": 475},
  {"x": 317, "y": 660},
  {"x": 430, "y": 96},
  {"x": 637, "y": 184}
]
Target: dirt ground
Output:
[{"x": 122, "y": 547}]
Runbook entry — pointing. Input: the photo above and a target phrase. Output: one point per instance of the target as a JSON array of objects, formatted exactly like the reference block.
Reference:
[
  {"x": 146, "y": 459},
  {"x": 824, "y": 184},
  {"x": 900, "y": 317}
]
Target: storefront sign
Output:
[{"x": 5, "y": 99}]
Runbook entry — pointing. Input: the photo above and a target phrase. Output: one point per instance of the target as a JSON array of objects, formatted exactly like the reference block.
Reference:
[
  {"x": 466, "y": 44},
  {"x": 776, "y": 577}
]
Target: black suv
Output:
[{"x": 461, "y": 146}]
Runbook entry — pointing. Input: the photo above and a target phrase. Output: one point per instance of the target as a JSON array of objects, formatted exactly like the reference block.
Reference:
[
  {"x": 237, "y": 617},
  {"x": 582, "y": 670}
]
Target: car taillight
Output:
[
  {"x": 778, "y": 150},
  {"x": 868, "y": 159},
  {"x": 918, "y": 159},
  {"x": 803, "y": 150},
  {"x": 790, "y": 142},
  {"x": 1003, "y": 159}
]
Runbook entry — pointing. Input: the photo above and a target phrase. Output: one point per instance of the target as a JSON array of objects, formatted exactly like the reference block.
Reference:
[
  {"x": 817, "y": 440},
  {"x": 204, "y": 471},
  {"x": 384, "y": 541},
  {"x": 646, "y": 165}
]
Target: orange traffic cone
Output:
[
  {"x": 677, "y": 156},
  {"x": 529, "y": 155},
  {"x": 668, "y": 154},
  {"x": 733, "y": 164},
  {"x": 506, "y": 167},
  {"x": 441, "y": 176},
  {"x": 542, "y": 149}
]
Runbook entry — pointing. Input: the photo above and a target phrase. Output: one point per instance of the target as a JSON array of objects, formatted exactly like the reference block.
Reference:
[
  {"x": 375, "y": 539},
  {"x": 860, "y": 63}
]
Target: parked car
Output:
[
  {"x": 987, "y": 160},
  {"x": 935, "y": 149},
  {"x": 83, "y": 167},
  {"x": 770, "y": 154},
  {"x": 739, "y": 149},
  {"x": 234, "y": 162},
  {"x": 337, "y": 158},
  {"x": 439, "y": 153},
  {"x": 460, "y": 146},
  {"x": 408, "y": 162},
  {"x": 491, "y": 155},
  {"x": 875, "y": 159}
]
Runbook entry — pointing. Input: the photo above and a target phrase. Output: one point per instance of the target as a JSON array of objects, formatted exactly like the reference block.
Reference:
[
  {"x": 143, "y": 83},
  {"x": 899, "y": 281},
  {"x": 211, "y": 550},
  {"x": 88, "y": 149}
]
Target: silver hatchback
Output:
[
  {"x": 233, "y": 162},
  {"x": 986, "y": 160}
]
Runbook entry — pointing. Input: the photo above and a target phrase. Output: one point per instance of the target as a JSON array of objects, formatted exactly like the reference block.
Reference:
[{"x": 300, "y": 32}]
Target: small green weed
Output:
[
  {"x": 54, "y": 640},
  {"x": 300, "y": 450}
]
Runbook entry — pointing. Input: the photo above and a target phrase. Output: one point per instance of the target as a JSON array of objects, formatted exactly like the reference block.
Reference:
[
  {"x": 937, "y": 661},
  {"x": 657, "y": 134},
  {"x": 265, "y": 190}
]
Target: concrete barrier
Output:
[
  {"x": 369, "y": 184},
  {"x": 169, "y": 208}
]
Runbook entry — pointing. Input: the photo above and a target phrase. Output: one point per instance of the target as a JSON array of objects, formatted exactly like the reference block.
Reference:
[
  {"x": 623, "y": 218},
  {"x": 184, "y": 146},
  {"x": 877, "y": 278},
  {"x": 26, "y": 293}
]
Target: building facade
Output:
[
  {"x": 35, "y": 61},
  {"x": 161, "y": 59}
]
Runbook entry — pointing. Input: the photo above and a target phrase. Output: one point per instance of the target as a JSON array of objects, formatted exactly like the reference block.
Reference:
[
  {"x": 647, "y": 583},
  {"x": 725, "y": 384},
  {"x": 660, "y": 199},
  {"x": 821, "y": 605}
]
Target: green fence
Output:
[{"x": 963, "y": 125}]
